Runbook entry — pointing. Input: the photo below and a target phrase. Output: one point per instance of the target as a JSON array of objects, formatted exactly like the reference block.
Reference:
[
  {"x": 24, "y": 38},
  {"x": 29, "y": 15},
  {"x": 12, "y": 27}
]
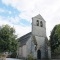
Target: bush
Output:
[
  {"x": 30, "y": 57},
  {"x": 13, "y": 55}
]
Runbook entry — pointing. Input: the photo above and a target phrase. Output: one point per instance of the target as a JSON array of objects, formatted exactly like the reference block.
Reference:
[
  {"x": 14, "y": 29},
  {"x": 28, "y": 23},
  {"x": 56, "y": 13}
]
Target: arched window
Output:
[
  {"x": 41, "y": 23},
  {"x": 37, "y": 22}
]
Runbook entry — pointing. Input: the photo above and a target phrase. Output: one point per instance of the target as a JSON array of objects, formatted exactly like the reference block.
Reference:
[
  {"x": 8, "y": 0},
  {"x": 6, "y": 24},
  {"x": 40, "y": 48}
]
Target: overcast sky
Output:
[{"x": 18, "y": 13}]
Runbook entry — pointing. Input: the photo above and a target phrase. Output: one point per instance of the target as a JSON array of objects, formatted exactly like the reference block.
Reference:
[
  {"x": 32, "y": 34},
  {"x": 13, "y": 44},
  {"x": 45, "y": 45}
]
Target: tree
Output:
[
  {"x": 8, "y": 41},
  {"x": 55, "y": 38}
]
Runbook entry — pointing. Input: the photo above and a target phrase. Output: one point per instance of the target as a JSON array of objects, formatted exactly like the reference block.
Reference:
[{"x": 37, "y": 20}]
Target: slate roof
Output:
[{"x": 24, "y": 39}]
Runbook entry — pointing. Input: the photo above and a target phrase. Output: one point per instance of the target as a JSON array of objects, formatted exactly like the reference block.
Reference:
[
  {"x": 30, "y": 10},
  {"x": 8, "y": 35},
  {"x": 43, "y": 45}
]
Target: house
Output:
[{"x": 35, "y": 42}]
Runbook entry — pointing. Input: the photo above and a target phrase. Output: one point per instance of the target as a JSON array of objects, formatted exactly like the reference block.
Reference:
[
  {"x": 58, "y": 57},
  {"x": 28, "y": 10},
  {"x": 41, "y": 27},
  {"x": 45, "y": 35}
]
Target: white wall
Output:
[
  {"x": 40, "y": 41},
  {"x": 24, "y": 51},
  {"x": 28, "y": 44},
  {"x": 39, "y": 31},
  {"x": 19, "y": 52}
]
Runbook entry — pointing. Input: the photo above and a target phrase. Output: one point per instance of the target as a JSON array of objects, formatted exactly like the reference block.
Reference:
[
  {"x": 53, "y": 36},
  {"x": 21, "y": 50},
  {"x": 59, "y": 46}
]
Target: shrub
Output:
[
  {"x": 30, "y": 57},
  {"x": 13, "y": 55}
]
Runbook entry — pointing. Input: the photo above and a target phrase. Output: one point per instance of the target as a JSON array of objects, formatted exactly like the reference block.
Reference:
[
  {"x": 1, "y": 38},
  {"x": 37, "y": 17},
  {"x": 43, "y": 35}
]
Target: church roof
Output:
[
  {"x": 24, "y": 39},
  {"x": 39, "y": 17}
]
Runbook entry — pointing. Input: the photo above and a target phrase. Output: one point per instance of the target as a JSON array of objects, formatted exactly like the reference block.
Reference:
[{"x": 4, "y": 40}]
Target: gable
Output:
[{"x": 39, "y": 17}]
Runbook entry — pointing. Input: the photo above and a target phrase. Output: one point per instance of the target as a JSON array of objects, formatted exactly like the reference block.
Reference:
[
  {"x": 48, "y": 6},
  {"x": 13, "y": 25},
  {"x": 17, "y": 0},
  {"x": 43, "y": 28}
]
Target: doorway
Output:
[{"x": 39, "y": 54}]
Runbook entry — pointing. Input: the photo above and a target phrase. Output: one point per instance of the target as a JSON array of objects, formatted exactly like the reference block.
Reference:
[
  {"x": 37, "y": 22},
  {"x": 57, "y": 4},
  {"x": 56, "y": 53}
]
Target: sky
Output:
[{"x": 19, "y": 13}]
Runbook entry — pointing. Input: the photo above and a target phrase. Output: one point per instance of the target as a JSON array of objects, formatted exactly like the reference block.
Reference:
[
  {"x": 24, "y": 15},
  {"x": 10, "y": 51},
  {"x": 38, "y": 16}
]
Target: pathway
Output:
[{"x": 12, "y": 59}]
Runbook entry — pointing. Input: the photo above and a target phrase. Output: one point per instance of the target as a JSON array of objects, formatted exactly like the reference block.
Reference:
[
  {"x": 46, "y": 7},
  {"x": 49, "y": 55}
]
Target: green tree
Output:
[
  {"x": 8, "y": 41},
  {"x": 55, "y": 38}
]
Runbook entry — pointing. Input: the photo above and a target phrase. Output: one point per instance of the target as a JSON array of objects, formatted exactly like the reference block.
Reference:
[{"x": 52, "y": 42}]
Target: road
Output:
[{"x": 21, "y": 59}]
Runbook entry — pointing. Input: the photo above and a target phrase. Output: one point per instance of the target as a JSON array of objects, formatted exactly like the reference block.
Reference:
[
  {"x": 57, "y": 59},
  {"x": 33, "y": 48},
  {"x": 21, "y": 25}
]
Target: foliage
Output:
[
  {"x": 8, "y": 42},
  {"x": 55, "y": 38},
  {"x": 30, "y": 57},
  {"x": 34, "y": 40},
  {"x": 13, "y": 55}
]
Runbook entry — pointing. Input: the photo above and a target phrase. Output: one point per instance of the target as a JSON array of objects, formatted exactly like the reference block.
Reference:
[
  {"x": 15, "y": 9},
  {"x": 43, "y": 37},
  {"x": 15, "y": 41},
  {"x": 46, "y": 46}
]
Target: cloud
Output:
[
  {"x": 49, "y": 9},
  {"x": 13, "y": 20},
  {"x": 1, "y": 10},
  {"x": 20, "y": 30}
]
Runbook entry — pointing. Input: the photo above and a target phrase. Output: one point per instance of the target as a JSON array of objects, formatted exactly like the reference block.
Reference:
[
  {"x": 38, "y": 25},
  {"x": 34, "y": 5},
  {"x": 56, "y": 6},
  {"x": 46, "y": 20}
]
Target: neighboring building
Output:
[{"x": 35, "y": 42}]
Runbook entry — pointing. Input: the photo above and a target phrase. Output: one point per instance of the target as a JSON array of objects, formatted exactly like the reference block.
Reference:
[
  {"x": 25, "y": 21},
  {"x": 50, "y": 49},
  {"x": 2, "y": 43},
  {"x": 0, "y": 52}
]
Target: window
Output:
[
  {"x": 41, "y": 23},
  {"x": 37, "y": 22}
]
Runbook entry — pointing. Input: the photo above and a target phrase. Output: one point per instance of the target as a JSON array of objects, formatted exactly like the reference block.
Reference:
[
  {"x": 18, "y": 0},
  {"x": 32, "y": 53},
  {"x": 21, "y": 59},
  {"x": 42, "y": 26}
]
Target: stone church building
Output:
[{"x": 35, "y": 42}]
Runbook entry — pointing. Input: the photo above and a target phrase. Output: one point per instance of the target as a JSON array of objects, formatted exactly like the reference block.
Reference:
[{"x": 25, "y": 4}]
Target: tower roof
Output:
[{"x": 39, "y": 17}]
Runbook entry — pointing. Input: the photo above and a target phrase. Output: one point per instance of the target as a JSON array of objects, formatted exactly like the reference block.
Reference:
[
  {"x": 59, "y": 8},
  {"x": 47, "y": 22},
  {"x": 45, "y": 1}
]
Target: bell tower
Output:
[
  {"x": 38, "y": 26},
  {"x": 39, "y": 31}
]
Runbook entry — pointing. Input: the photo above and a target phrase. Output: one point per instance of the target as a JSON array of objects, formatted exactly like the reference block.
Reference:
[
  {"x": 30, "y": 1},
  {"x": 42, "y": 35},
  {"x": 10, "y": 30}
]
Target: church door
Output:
[{"x": 38, "y": 54}]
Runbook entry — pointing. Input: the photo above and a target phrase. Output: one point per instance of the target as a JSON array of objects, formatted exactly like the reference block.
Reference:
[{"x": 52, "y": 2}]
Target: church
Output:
[{"x": 35, "y": 42}]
